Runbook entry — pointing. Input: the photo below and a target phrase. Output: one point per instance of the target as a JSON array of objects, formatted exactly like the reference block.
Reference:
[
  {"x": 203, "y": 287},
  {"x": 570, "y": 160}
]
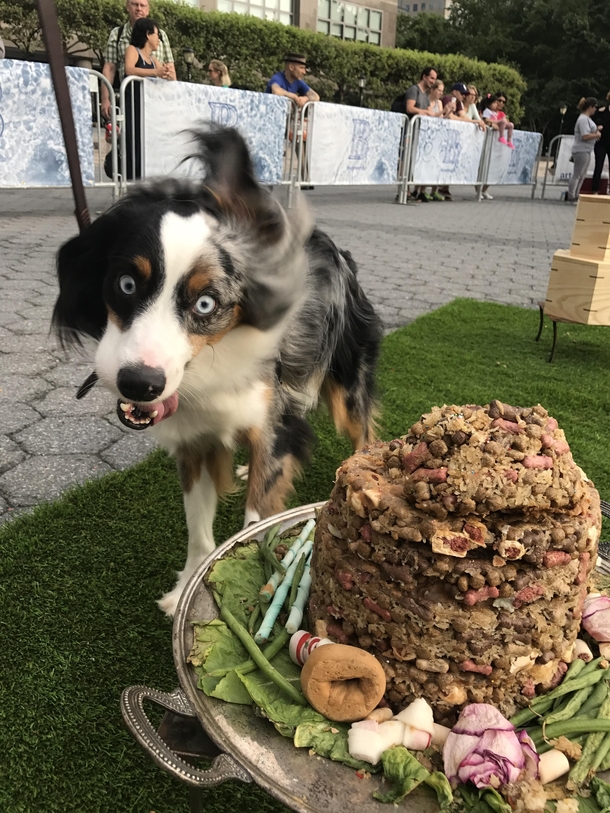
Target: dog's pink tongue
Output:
[{"x": 166, "y": 408}]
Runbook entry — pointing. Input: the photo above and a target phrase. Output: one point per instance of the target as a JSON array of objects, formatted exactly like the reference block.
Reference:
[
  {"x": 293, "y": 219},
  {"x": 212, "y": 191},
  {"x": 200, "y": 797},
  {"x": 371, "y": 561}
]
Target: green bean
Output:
[
  {"x": 580, "y": 770},
  {"x": 605, "y": 765},
  {"x": 596, "y": 698},
  {"x": 573, "y": 685},
  {"x": 601, "y": 753},
  {"x": 270, "y": 557},
  {"x": 254, "y": 618},
  {"x": 569, "y": 708},
  {"x": 525, "y": 715},
  {"x": 575, "y": 668},
  {"x": 591, "y": 666},
  {"x": 575, "y": 726},
  {"x": 260, "y": 660},
  {"x": 245, "y": 667}
]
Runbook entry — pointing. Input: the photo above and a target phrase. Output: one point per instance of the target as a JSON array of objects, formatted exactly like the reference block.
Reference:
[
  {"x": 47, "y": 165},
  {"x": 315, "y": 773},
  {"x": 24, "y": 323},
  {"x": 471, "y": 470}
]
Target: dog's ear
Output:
[
  {"x": 231, "y": 180},
  {"x": 81, "y": 268}
]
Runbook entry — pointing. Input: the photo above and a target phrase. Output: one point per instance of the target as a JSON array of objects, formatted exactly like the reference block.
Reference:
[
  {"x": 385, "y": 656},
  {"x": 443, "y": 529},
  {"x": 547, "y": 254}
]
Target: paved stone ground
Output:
[{"x": 412, "y": 260}]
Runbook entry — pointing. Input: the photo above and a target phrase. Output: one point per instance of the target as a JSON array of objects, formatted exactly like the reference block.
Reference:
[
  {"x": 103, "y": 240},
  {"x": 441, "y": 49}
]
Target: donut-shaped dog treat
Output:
[{"x": 343, "y": 683}]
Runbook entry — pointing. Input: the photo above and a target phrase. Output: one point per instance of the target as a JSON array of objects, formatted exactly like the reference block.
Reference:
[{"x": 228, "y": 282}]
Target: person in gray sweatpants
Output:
[{"x": 586, "y": 133}]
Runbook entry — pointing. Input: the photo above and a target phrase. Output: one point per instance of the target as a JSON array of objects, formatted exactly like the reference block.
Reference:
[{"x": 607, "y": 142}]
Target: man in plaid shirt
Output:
[{"x": 119, "y": 39}]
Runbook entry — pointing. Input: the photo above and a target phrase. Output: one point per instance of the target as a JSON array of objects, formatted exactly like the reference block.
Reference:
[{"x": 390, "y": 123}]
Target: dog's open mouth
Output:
[{"x": 143, "y": 415}]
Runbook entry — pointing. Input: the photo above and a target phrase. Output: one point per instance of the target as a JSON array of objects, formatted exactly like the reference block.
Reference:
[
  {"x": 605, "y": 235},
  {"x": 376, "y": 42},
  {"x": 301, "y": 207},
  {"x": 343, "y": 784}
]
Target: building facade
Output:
[
  {"x": 442, "y": 7},
  {"x": 370, "y": 21}
]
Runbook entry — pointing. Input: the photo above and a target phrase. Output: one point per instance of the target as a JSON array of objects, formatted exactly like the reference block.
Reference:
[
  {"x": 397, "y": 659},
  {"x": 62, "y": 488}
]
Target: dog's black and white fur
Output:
[{"x": 221, "y": 319}]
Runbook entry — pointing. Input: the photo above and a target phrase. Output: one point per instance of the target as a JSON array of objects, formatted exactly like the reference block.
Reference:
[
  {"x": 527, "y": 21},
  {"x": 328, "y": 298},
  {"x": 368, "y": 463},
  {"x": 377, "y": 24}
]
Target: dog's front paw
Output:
[{"x": 169, "y": 602}]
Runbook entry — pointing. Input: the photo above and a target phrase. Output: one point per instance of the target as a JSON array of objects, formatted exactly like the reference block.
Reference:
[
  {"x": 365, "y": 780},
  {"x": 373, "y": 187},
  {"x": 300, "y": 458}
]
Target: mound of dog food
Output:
[{"x": 459, "y": 555}]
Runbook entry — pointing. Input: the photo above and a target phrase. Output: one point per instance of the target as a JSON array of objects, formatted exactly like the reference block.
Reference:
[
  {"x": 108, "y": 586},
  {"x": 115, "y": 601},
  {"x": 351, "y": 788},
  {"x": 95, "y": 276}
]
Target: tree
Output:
[
  {"x": 561, "y": 47},
  {"x": 427, "y": 32}
]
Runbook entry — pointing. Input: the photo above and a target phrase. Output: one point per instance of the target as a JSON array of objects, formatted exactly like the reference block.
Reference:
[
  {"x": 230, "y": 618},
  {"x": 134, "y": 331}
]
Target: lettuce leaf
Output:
[
  {"x": 329, "y": 740},
  {"x": 283, "y": 713},
  {"x": 215, "y": 647},
  {"x": 440, "y": 784},
  {"x": 237, "y": 579},
  {"x": 402, "y": 769},
  {"x": 601, "y": 791}
]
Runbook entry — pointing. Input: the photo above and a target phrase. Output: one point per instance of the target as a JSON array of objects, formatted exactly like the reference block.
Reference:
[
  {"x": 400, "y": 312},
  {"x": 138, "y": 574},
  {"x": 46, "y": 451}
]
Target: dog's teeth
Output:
[
  {"x": 154, "y": 414},
  {"x": 125, "y": 407}
]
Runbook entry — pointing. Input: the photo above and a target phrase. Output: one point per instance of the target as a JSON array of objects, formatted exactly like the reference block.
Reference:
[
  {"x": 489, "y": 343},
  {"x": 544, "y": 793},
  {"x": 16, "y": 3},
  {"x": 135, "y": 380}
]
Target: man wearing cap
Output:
[
  {"x": 289, "y": 82},
  {"x": 458, "y": 91}
]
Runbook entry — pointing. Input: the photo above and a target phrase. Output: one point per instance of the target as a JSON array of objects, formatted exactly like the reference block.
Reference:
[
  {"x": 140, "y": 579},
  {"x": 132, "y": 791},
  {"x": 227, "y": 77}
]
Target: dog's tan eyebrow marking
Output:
[
  {"x": 199, "y": 279},
  {"x": 116, "y": 320},
  {"x": 144, "y": 267}
]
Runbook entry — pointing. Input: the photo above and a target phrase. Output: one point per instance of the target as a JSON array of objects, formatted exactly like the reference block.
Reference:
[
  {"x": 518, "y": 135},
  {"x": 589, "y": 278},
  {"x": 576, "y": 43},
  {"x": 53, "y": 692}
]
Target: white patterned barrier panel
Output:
[
  {"x": 32, "y": 151},
  {"x": 353, "y": 145},
  {"x": 171, "y": 109},
  {"x": 447, "y": 152},
  {"x": 516, "y": 166}
]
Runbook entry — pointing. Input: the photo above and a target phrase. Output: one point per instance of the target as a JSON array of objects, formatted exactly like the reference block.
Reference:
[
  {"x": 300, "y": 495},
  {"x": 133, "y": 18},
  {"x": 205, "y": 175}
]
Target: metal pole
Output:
[{"x": 47, "y": 13}]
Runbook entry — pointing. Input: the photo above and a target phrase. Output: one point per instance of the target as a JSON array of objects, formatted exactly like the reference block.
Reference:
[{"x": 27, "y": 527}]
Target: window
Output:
[
  {"x": 423, "y": 7},
  {"x": 414, "y": 6},
  {"x": 347, "y": 21},
  {"x": 278, "y": 10}
]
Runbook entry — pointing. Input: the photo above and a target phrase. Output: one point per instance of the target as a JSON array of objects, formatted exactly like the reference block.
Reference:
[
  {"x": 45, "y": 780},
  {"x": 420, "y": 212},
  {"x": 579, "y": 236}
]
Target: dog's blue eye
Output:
[
  {"x": 205, "y": 305},
  {"x": 127, "y": 284}
]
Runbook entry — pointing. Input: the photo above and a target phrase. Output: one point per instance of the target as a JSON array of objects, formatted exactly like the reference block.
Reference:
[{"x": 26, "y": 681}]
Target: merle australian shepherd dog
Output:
[{"x": 221, "y": 320}]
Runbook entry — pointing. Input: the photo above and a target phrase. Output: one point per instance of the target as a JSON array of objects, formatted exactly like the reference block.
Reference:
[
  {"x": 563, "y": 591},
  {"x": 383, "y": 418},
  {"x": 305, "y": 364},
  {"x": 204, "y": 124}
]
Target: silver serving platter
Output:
[{"x": 306, "y": 783}]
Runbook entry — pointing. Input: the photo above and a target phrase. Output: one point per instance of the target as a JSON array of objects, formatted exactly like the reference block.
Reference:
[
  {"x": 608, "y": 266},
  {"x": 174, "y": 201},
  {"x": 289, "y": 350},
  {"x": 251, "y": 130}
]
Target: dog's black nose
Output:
[{"x": 140, "y": 383}]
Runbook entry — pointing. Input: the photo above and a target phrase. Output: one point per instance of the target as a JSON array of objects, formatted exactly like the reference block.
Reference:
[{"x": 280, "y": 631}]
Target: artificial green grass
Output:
[{"x": 79, "y": 578}]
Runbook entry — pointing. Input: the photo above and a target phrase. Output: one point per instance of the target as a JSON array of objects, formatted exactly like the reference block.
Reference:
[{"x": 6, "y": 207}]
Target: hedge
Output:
[{"x": 253, "y": 50}]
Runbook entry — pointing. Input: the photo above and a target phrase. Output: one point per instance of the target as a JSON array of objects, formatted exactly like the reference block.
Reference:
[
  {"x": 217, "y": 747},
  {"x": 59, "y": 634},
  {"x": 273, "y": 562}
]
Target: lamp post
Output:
[
  {"x": 189, "y": 58},
  {"x": 562, "y": 110},
  {"x": 361, "y": 86}
]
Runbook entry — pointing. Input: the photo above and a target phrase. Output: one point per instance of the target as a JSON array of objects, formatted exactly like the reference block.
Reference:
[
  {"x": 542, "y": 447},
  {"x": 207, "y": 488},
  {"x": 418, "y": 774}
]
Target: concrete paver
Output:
[{"x": 412, "y": 259}]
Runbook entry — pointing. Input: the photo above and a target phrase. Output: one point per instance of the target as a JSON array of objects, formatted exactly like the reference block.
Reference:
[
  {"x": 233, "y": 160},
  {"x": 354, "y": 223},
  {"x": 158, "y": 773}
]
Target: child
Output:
[{"x": 503, "y": 125}]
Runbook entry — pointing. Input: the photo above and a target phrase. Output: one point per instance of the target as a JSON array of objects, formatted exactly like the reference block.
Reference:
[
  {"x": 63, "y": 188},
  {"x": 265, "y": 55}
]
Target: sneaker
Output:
[
  {"x": 486, "y": 196},
  {"x": 502, "y": 140},
  {"x": 437, "y": 196},
  {"x": 510, "y": 144},
  {"x": 425, "y": 197}
]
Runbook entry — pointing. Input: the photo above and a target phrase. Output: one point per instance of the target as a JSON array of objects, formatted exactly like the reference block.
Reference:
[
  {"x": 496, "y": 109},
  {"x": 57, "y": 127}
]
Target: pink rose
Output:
[
  {"x": 484, "y": 748},
  {"x": 596, "y": 617}
]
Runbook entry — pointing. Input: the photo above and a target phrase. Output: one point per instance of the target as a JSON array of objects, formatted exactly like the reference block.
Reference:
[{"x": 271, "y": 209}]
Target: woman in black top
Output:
[
  {"x": 139, "y": 61},
  {"x": 602, "y": 149}
]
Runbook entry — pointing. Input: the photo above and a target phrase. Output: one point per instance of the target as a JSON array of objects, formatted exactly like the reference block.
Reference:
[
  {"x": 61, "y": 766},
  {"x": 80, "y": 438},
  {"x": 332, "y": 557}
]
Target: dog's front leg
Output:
[
  {"x": 200, "y": 499},
  {"x": 270, "y": 474}
]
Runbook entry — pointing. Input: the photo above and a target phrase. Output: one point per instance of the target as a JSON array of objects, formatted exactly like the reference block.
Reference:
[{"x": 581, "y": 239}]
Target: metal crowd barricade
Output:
[
  {"x": 483, "y": 175},
  {"x": 342, "y": 145},
  {"x": 96, "y": 81},
  {"x": 411, "y": 145},
  {"x": 554, "y": 156}
]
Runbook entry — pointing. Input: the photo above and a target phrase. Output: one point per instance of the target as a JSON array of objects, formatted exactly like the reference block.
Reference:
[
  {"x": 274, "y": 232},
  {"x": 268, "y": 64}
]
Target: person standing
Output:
[
  {"x": 602, "y": 147},
  {"x": 118, "y": 41},
  {"x": 586, "y": 134},
  {"x": 289, "y": 82}
]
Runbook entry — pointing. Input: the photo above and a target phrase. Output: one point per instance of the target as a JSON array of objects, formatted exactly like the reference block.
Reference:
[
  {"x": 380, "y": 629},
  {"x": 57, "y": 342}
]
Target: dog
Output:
[{"x": 221, "y": 320}]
